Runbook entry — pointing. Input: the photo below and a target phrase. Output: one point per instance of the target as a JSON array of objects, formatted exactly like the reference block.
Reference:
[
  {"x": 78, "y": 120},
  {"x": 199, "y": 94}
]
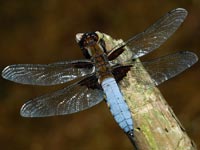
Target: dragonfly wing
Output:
[
  {"x": 49, "y": 74},
  {"x": 74, "y": 98},
  {"x": 166, "y": 67},
  {"x": 156, "y": 34}
]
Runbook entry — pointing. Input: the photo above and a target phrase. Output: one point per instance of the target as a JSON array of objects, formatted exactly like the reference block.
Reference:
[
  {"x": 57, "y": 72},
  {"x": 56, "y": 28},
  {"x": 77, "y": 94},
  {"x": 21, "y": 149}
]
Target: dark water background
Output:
[{"x": 33, "y": 31}]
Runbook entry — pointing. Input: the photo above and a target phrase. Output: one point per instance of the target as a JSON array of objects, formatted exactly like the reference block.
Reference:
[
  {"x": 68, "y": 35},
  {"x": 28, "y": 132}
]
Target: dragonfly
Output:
[{"x": 97, "y": 76}]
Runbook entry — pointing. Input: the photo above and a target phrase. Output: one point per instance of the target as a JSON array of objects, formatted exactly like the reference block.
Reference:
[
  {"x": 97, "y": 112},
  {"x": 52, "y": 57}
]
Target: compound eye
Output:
[{"x": 95, "y": 37}]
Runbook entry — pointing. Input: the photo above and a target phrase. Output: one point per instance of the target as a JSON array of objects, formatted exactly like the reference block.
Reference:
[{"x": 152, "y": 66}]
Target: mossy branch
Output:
[{"x": 156, "y": 126}]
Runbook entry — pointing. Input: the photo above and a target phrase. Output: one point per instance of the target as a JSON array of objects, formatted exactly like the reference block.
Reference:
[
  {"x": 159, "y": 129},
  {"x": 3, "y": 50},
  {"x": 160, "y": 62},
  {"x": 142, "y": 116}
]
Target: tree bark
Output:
[{"x": 156, "y": 126}]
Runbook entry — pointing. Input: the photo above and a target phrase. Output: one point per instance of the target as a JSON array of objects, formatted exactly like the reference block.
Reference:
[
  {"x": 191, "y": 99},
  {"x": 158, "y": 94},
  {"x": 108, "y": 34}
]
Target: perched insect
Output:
[{"x": 101, "y": 71}]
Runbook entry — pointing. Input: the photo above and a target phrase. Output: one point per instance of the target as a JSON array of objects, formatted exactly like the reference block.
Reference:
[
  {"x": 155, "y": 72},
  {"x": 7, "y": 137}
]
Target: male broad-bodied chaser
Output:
[{"x": 101, "y": 71}]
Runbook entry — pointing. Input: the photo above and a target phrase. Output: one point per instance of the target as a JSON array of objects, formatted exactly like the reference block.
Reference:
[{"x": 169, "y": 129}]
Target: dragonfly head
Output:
[
  {"x": 90, "y": 43},
  {"x": 87, "y": 39}
]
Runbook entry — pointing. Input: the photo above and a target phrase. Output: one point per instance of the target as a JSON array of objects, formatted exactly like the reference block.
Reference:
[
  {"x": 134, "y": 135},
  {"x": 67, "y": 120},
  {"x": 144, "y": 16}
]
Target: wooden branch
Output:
[{"x": 155, "y": 125}]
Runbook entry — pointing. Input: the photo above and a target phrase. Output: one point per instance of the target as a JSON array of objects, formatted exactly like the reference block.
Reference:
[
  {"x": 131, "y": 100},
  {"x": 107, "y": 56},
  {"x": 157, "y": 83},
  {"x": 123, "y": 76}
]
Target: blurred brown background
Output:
[{"x": 33, "y": 31}]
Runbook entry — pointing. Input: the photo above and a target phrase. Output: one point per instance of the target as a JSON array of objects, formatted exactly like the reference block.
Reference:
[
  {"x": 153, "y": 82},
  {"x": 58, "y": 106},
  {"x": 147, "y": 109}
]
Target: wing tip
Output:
[
  {"x": 180, "y": 9},
  {"x": 33, "y": 109},
  {"x": 192, "y": 55},
  {"x": 183, "y": 11},
  {"x": 9, "y": 73},
  {"x": 4, "y": 72},
  {"x": 24, "y": 112}
]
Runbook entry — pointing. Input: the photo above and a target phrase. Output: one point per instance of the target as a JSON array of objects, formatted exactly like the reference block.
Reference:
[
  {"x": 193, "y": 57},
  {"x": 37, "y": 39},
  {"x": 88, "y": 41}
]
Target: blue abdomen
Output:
[{"x": 117, "y": 104}]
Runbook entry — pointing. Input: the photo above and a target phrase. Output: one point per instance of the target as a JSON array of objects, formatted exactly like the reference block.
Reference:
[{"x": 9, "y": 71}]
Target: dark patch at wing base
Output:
[
  {"x": 120, "y": 72},
  {"x": 114, "y": 54},
  {"x": 91, "y": 82}
]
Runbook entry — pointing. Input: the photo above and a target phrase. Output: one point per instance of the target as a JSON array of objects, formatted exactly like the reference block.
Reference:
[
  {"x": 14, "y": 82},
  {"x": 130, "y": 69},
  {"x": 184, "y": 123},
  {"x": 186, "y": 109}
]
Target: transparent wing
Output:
[
  {"x": 74, "y": 98},
  {"x": 49, "y": 74},
  {"x": 156, "y": 34},
  {"x": 166, "y": 67}
]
